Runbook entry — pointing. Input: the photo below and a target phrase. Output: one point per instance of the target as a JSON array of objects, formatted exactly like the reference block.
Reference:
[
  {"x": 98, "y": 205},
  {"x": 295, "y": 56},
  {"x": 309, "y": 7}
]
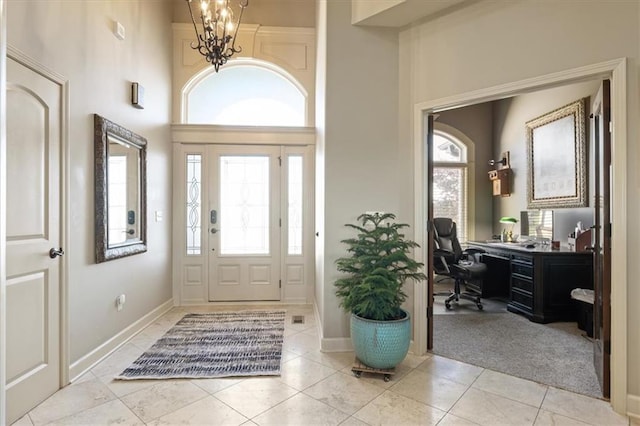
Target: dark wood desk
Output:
[{"x": 540, "y": 279}]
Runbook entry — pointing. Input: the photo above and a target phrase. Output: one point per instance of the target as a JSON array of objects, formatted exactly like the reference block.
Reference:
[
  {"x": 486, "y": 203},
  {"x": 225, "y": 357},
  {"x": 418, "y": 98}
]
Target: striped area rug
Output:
[{"x": 220, "y": 344}]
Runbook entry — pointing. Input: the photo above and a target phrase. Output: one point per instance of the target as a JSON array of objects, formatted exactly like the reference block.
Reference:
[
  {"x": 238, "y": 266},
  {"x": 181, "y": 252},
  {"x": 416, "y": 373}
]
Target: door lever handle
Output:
[{"x": 53, "y": 253}]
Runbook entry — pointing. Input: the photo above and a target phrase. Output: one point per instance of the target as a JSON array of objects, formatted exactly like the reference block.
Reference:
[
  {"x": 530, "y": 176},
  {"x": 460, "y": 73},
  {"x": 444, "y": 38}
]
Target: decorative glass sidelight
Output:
[
  {"x": 244, "y": 205},
  {"x": 294, "y": 211},
  {"x": 194, "y": 204}
]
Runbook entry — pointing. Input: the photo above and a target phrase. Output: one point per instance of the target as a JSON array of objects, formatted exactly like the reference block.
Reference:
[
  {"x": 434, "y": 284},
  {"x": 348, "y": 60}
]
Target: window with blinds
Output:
[
  {"x": 537, "y": 223},
  {"x": 450, "y": 181}
]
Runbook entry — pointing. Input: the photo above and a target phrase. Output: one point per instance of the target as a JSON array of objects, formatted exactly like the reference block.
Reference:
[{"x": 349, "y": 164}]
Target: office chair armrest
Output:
[
  {"x": 473, "y": 250},
  {"x": 442, "y": 255},
  {"x": 472, "y": 253}
]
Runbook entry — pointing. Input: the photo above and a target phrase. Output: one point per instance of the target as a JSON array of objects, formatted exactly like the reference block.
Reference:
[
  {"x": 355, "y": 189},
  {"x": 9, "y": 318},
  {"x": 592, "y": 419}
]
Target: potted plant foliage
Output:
[{"x": 377, "y": 266}]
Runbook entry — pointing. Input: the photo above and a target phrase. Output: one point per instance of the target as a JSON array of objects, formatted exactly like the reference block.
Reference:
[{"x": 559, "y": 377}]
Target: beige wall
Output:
[
  {"x": 74, "y": 38},
  {"x": 476, "y": 122},
  {"x": 364, "y": 159},
  {"x": 489, "y": 44}
]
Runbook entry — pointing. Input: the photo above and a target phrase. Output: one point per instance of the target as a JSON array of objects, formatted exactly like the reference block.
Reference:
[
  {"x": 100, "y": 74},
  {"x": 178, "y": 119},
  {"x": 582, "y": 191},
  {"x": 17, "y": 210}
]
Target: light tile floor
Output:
[{"x": 315, "y": 388}]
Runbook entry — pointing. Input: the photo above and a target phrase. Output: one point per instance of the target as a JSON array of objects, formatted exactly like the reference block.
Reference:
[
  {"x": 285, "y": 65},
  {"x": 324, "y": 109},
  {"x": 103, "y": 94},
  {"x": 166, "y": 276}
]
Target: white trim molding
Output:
[
  {"x": 3, "y": 209},
  {"x": 242, "y": 135},
  {"x": 91, "y": 359},
  {"x": 336, "y": 344},
  {"x": 633, "y": 407}
]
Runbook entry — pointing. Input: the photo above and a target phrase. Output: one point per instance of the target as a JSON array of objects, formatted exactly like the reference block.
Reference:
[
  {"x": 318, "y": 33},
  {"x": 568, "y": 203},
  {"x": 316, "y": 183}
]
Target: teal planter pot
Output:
[{"x": 381, "y": 344}]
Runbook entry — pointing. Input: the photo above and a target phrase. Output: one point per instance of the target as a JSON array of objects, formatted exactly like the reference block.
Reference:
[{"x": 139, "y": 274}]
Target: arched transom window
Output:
[
  {"x": 450, "y": 181},
  {"x": 246, "y": 95}
]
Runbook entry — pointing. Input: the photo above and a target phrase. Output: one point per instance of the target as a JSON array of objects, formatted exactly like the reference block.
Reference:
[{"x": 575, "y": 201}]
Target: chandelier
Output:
[{"x": 217, "y": 38}]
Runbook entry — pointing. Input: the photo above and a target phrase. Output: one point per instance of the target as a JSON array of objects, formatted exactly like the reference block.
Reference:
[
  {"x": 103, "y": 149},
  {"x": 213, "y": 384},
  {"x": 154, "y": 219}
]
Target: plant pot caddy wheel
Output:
[
  {"x": 359, "y": 368},
  {"x": 377, "y": 266}
]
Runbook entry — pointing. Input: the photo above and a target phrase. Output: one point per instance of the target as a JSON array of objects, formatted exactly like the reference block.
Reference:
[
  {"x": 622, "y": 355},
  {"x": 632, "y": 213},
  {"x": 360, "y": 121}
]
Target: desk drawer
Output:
[
  {"x": 522, "y": 284},
  {"x": 519, "y": 258},
  {"x": 521, "y": 298},
  {"x": 524, "y": 269}
]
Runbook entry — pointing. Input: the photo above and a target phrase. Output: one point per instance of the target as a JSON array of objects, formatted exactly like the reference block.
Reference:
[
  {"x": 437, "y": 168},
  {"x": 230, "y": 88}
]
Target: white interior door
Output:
[
  {"x": 244, "y": 223},
  {"x": 34, "y": 125}
]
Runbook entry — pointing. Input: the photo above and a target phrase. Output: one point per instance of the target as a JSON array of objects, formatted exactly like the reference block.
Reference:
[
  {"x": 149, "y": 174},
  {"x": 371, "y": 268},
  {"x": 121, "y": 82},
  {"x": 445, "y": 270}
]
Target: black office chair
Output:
[{"x": 463, "y": 266}]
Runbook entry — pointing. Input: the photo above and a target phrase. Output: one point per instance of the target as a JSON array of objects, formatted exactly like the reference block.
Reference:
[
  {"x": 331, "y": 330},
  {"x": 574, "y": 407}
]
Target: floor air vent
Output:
[{"x": 297, "y": 319}]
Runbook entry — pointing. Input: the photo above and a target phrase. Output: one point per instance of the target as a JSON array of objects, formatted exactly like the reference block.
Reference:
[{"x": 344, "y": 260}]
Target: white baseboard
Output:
[
  {"x": 343, "y": 344},
  {"x": 88, "y": 361},
  {"x": 336, "y": 344},
  {"x": 318, "y": 320},
  {"x": 412, "y": 347},
  {"x": 633, "y": 406},
  {"x": 296, "y": 301}
]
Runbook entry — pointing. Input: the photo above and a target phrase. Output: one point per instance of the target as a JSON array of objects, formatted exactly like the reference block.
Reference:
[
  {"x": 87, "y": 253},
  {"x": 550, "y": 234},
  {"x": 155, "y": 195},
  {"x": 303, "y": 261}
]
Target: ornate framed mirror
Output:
[
  {"x": 557, "y": 158},
  {"x": 120, "y": 191}
]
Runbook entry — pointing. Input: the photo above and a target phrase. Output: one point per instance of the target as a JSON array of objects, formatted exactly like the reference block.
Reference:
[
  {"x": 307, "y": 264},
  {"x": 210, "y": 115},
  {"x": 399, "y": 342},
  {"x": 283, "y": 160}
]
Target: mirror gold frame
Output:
[
  {"x": 104, "y": 130},
  {"x": 557, "y": 158}
]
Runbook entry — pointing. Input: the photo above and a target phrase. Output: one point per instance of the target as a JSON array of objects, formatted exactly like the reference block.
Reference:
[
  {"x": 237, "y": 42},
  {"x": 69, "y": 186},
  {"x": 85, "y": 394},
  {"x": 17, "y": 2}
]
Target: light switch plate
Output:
[{"x": 118, "y": 30}]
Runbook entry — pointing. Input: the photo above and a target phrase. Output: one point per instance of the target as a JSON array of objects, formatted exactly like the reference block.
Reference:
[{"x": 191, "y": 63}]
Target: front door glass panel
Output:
[{"x": 244, "y": 205}]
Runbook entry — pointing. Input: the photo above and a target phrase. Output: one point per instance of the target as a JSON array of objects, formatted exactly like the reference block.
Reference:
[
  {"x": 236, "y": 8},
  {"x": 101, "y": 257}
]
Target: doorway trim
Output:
[
  {"x": 3, "y": 208},
  {"x": 616, "y": 70},
  {"x": 198, "y": 137}
]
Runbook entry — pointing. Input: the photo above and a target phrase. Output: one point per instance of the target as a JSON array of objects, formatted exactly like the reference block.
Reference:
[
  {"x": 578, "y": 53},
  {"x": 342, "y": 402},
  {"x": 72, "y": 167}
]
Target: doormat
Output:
[{"x": 220, "y": 344}]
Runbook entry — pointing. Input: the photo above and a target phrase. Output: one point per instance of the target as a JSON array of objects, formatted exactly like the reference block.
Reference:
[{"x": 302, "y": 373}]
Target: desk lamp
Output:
[{"x": 507, "y": 236}]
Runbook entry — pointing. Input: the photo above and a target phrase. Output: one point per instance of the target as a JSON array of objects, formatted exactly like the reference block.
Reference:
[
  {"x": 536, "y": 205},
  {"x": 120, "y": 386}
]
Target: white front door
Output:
[
  {"x": 34, "y": 126},
  {"x": 244, "y": 222}
]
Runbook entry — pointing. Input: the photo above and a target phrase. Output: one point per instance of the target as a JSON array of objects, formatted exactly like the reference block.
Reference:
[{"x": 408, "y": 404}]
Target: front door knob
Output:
[
  {"x": 53, "y": 253},
  {"x": 214, "y": 230}
]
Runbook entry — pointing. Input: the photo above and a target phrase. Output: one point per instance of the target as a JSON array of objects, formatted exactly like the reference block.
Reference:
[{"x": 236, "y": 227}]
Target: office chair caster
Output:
[
  {"x": 480, "y": 307},
  {"x": 447, "y": 305}
]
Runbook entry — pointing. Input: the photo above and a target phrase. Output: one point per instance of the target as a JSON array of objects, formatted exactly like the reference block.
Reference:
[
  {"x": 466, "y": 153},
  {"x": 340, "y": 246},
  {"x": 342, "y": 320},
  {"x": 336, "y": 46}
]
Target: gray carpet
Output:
[
  {"x": 554, "y": 354},
  {"x": 220, "y": 344}
]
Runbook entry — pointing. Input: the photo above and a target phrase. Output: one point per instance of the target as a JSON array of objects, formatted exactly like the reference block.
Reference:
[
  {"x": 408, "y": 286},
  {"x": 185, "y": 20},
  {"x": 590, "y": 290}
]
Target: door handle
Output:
[
  {"x": 131, "y": 232},
  {"x": 214, "y": 230},
  {"x": 53, "y": 253}
]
